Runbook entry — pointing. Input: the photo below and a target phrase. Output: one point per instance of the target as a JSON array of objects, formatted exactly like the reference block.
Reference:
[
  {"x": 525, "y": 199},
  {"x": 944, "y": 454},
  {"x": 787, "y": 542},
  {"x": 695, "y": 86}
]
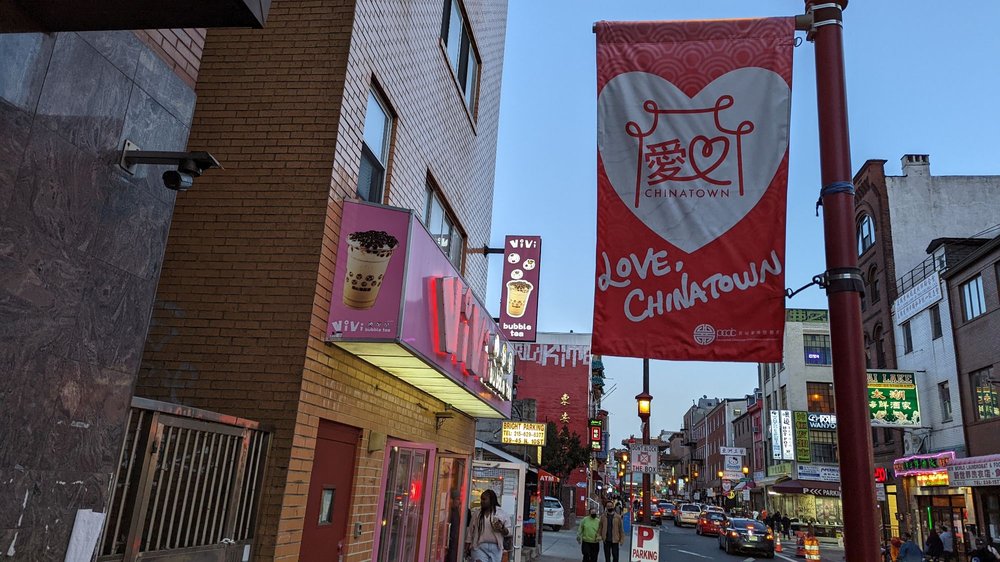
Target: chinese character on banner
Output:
[
  {"x": 564, "y": 399},
  {"x": 692, "y": 176},
  {"x": 564, "y": 417}
]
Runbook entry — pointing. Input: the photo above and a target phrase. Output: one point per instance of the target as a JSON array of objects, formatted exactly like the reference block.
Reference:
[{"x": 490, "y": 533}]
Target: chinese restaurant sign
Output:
[
  {"x": 803, "y": 446},
  {"x": 398, "y": 303},
  {"x": 519, "y": 300},
  {"x": 596, "y": 434},
  {"x": 693, "y": 121},
  {"x": 923, "y": 464},
  {"x": 892, "y": 399},
  {"x": 523, "y": 433}
]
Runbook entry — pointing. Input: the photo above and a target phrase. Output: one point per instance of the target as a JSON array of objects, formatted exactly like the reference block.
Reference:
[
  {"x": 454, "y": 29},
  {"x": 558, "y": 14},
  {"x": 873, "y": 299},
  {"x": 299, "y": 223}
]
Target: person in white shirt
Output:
[
  {"x": 487, "y": 529},
  {"x": 948, "y": 540}
]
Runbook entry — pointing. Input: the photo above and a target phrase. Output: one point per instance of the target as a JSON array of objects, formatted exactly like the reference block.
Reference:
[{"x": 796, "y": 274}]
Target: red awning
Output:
[
  {"x": 810, "y": 487},
  {"x": 544, "y": 476}
]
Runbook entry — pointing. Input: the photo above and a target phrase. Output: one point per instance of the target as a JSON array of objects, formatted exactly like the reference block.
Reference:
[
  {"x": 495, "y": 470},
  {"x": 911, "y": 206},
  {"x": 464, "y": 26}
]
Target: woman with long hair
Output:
[{"x": 487, "y": 529}]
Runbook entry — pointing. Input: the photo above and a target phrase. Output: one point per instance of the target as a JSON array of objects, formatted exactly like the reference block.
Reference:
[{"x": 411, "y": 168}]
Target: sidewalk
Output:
[{"x": 561, "y": 546}]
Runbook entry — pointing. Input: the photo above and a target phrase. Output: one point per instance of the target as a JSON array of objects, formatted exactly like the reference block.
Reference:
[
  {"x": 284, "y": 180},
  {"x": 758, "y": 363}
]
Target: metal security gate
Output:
[{"x": 187, "y": 486}]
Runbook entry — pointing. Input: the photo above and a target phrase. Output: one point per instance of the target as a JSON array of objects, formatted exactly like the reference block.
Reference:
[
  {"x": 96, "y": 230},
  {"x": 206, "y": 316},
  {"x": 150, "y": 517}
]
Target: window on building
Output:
[
  {"x": 374, "y": 149},
  {"x": 985, "y": 394},
  {"x": 973, "y": 299},
  {"x": 868, "y": 352},
  {"x": 935, "y": 313},
  {"x": 888, "y": 435},
  {"x": 866, "y": 233},
  {"x": 461, "y": 51},
  {"x": 769, "y": 405},
  {"x": 444, "y": 228},
  {"x": 879, "y": 348},
  {"x": 784, "y": 398},
  {"x": 817, "y": 349},
  {"x": 823, "y": 445},
  {"x": 873, "y": 285},
  {"x": 874, "y": 436},
  {"x": 907, "y": 337},
  {"x": 820, "y": 397},
  {"x": 944, "y": 394}
]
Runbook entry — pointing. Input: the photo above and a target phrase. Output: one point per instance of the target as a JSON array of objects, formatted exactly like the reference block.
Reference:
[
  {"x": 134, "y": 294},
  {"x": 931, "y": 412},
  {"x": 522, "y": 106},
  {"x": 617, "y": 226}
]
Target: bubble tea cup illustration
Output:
[
  {"x": 518, "y": 293},
  {"x": 368, "y": 256}
]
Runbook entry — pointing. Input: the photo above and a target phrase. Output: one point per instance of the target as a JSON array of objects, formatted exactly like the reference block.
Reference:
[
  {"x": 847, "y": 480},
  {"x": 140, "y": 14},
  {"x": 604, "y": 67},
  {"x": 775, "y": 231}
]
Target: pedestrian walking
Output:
[
  {"x": 909, "y": 551},
  {"x": 934, "y": 547},
  {"x": 612, "y": 532},
  {"x": 487, "y": 530},
  {"x": 588, "y": 535},
  {"x": 786, "y": 526},
  {"x": 948, "y": 543},
  {"x": 776, "y": 522}
]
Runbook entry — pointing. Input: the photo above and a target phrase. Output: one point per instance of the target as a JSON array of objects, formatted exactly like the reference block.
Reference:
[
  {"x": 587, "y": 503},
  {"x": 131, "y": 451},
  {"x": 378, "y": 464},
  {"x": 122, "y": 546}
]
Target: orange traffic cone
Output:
[
  {"x": 800, "y": 549},
  {"x": 777, "y": 543}
]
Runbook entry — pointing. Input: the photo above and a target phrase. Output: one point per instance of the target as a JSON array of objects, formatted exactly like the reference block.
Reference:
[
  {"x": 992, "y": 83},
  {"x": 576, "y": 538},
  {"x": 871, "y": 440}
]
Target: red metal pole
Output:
[{"x": 861, "y": 537}]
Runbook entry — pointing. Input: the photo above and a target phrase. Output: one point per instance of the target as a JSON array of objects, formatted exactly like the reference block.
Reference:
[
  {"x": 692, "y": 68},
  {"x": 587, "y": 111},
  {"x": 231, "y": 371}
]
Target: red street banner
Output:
[
  {"x": 519, "y": 301},
  {"x": 693, "y": 121}
]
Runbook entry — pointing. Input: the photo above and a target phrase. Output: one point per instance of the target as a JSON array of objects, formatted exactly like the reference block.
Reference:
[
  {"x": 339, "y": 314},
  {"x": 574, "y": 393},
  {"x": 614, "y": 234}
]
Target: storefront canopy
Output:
[{"x": 810, "y": 487}]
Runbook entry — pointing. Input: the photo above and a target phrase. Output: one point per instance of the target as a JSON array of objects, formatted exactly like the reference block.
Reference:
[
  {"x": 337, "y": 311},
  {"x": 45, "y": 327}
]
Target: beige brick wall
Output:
[{"x": 243, "y": 300}]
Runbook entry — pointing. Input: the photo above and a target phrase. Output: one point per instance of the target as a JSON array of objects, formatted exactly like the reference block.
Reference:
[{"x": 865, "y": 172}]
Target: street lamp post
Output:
[{"x": 643, "y": 400}]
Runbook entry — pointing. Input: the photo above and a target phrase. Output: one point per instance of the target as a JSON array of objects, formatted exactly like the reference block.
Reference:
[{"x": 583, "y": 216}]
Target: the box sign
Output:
[
  {"x": 399, "y": 304},
  {"x": 596, "y": 434},
  {"x": 922, "y": 295},
  {"x": 775, "y": 435},
  {"x": 892, "y": 399},
  {"x": 827, "y": 422},
  {"x": 923, "y": 464},
  {"x": 787, "y": 436},
  {"x": 818, "y": 473},
  {"x": 803, "y": 444},
  {"x": 645, "y": 544},
  {"x": 975, "y": 471},
  {"x": 523, "y": 433},
  {"x": 519, "y": 295},
  {"x": 644, "y": 458}
]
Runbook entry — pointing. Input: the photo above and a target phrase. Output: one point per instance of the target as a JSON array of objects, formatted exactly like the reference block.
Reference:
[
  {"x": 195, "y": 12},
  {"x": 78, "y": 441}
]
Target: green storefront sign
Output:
[
  {"x": 807, "y": 315},
  {"x": 892, "y": 399},
  {"x": 803, "y": 449}
]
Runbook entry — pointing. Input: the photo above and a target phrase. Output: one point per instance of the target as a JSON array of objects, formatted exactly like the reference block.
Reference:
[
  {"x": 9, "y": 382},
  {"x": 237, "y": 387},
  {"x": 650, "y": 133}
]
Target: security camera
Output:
[
  {"x": 177, "y": 180},
  {"x": 190, "y": 165}
]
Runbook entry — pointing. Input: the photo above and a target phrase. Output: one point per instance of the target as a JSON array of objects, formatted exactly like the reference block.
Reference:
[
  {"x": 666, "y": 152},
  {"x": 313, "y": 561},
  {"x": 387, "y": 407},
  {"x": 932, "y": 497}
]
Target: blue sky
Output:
[{"x": 922, "y": 78}]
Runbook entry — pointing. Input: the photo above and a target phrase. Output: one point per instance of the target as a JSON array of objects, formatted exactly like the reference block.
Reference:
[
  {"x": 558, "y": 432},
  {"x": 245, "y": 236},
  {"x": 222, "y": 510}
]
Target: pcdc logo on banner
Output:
[{"x": 704, "y": 334}]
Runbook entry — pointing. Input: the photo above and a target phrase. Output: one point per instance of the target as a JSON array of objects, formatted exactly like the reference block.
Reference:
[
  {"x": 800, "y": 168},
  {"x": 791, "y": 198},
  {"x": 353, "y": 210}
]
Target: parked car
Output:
[
  {"x": 688, "y": 515},
  {"x": 715, "y": 508},
  {"x": 709, "y": 523},
  {"x": 746, "y": 535},
  {"x": 554, "y": 517}
]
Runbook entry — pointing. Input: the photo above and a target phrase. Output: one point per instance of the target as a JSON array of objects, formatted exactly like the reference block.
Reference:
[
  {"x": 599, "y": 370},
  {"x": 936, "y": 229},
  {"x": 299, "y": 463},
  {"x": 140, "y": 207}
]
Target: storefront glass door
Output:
[
  {"x": 449, "y": 509},
  {"x": 508, "y": 481},
  {"x": 939, "y": 511},
  {"x": 404, "y": 505}
]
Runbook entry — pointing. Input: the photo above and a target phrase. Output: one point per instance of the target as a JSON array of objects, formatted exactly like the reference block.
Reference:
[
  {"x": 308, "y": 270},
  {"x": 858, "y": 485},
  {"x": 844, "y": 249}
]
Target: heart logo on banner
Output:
[{"x": 702, "y": 168}]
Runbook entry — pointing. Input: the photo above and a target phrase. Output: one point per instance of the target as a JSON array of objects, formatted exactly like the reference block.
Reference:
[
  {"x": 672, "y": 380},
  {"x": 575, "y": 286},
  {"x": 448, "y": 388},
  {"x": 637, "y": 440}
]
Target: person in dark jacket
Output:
[
  {"x": 909, "y": 551},
  {"x": 776, "y": 522},
  {"x": 934, "y": 546},
  {"x": 786, "y": 526}
]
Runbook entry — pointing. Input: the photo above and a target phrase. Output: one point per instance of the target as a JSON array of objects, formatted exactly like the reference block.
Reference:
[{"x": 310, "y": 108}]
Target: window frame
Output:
[
  {"x": 907, "y": 337},
  {"x": 826, "y": 403},
  {"x": 865, "y": 223},
  {"x": 821, "y": 346},
  {"x": 368, "y": 153},
  {"x": 468, "y": 87},
  {"x": 454, "y": 226},
  {"x": 969, "y": 312},
  {"x": 944, "y": 399},
  {"x": 976, "y": 378},
  {"x": 934, "y": 312},
  {"x": 822, "y": 444}
]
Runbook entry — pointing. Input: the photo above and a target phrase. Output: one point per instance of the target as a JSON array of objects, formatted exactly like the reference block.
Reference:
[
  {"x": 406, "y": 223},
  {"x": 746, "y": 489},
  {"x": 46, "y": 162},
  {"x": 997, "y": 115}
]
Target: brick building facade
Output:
[{"x": 239, "y": 324}]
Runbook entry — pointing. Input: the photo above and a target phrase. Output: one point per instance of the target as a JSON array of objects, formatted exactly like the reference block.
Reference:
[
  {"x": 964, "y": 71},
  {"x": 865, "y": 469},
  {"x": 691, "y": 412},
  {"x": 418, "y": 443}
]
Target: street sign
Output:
[
  {"x": 644, "y": 458},
  {"x": 645, "y": 544},
  {"x": 735, "y": 451},
  {"x": 732, "y": 475}
]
